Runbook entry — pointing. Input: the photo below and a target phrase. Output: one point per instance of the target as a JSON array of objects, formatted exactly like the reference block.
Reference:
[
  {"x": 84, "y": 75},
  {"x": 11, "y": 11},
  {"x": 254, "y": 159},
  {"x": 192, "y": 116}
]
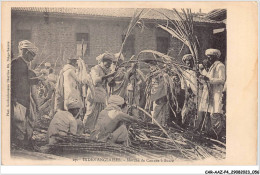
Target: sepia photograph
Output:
[{"x": 123, "y": 85}]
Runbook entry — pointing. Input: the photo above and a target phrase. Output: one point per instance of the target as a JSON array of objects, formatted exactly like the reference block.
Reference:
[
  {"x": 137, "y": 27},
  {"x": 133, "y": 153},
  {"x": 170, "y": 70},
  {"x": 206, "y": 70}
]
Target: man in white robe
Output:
[
  {"x": 99, "y": 74},
  {"x": 68, "y": 85},
  {"x": 211, "y": 100},
  {"x": 190, "y": 81}
]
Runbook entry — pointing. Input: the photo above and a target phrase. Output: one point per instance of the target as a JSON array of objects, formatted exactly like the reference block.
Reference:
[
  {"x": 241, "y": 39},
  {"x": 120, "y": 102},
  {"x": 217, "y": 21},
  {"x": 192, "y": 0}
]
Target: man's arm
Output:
[
  {"x": 73, "y": 127},
  {"x": 33, "y": 79},
  {"x": 221, "y": 76},
  {"x": 75, "y": 76},
  {"x": 125, "y": 117},
  {"x": 95, "y": 75},
  {"x": 108, "y": 75}
]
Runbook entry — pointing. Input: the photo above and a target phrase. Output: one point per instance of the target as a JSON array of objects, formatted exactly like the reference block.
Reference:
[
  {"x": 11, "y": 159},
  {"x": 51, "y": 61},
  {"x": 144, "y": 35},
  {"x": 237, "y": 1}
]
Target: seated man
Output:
[
  {"x": 110, "y": 127},
  {"x": 64, "y": 123}
]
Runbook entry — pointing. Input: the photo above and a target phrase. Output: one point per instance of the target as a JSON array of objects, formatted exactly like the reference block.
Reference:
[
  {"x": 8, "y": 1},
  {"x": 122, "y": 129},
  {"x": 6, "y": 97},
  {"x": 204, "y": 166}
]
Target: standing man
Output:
[
  {"x": 189, "y": 109},
  {"x": 190, "y": 74},
  {"x": 119, "y": 82},
  {"x": 67, "y": 88},
  {"x": 95, "y": 104},
  {"x": 52, "y": 79},
  {"x": 136, "y": 82},
  {"x": 211, "y": 100},
  {"x": 160, "y": 110},
  {"x": 22, "y": 78}
]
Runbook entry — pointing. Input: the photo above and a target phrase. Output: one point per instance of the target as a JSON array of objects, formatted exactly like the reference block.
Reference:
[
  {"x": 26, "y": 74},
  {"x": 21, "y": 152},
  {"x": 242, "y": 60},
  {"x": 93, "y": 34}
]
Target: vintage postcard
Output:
[{"x": 129, "y": 83}]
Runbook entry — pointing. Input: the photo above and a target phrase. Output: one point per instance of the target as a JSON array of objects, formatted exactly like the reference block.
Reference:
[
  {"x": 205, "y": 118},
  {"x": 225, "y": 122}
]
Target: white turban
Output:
[
  {"x": 47, "y": 64},
  {"x": 115, "y": 100},
  {"x": 25, "y": 44},
  {"x": 215, "y": 52},
  {"x": 119, "y": 58},
  {"x": 74, "y": 103},
  {"x": 106, "y": 55}
]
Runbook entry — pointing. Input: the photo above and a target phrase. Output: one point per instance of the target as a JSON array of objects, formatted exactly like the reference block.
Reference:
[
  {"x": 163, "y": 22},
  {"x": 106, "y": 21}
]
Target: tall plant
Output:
[
  {"x": 183, "y": 29},
  {"x": 134, "y": 21}
]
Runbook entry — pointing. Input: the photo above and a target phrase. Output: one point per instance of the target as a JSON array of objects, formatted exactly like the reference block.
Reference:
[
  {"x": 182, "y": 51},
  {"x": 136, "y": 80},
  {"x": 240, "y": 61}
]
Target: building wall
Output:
[
  {"x": 56, "y": 38},
  {"x": 204, "y": 35}
]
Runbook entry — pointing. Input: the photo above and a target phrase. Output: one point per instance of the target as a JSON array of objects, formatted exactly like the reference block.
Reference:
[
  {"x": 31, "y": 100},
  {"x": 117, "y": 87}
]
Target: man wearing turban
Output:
[
  {"x": 99, "y": 74},
  {"x": 110, "y": 127},
  {"x": 22, "y": 79},
  {"x": 66, "y": 122},
  {"x": 189, "y": 73},
  {"x": 68, "y": 89},
  {"x": 118, "y": 83},
  {"x": 158, "y": 100},
  {"x": 190, "y": 81},
  {"x": 134, "y": 88},
  {"x": 211, "y": 100}
]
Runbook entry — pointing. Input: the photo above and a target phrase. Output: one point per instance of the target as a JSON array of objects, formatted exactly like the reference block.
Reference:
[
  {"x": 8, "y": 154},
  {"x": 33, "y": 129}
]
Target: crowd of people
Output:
[{"x": 104, "y": 100}]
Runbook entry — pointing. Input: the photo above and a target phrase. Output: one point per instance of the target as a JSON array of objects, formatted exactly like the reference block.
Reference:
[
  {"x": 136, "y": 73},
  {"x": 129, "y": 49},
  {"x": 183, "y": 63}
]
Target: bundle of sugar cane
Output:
[
  {"x": 147, "y": 140},
  {"x": 87, "y": 147},
  {"x": 183, "y": 29}
]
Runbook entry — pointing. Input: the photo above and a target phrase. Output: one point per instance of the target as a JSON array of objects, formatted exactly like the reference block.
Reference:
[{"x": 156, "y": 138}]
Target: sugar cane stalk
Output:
[
  {"x": 184, "y": 32},
  {"x": 164, "y": 131}
]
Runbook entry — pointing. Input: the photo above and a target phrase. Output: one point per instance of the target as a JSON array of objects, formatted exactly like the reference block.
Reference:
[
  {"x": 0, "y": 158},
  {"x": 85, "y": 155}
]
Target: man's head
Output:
[
  {"x": 106, "y": 59},
  {"x": 73, "y": 62},
  {"x": 206, "y": 64},
  {"x": 188, "y": 60},
  {"x": 106, "y": 63},
  {"x": 119, "y": 58},
  {"x": 75, "y": 112},
  {"x": 74, "y": 107},
  {"x": 212, "y": 55},
  {"x": 116, "y": 100},
  {"x": 27, "y": 50},
  {"x": 50, "y": 71},
  {"x": 47, "y": 65}
]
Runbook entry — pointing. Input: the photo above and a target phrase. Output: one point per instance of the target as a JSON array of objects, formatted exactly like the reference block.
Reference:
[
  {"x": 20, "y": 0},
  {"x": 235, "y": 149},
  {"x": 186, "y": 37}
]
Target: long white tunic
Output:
[
  {"x": 96, "y": 73},
  {"x": 96, "y": 103},
  {"x": 211, "y": 100},
  {"x": 191, "y": 81},
  {"x": 71, "y": 86}
]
